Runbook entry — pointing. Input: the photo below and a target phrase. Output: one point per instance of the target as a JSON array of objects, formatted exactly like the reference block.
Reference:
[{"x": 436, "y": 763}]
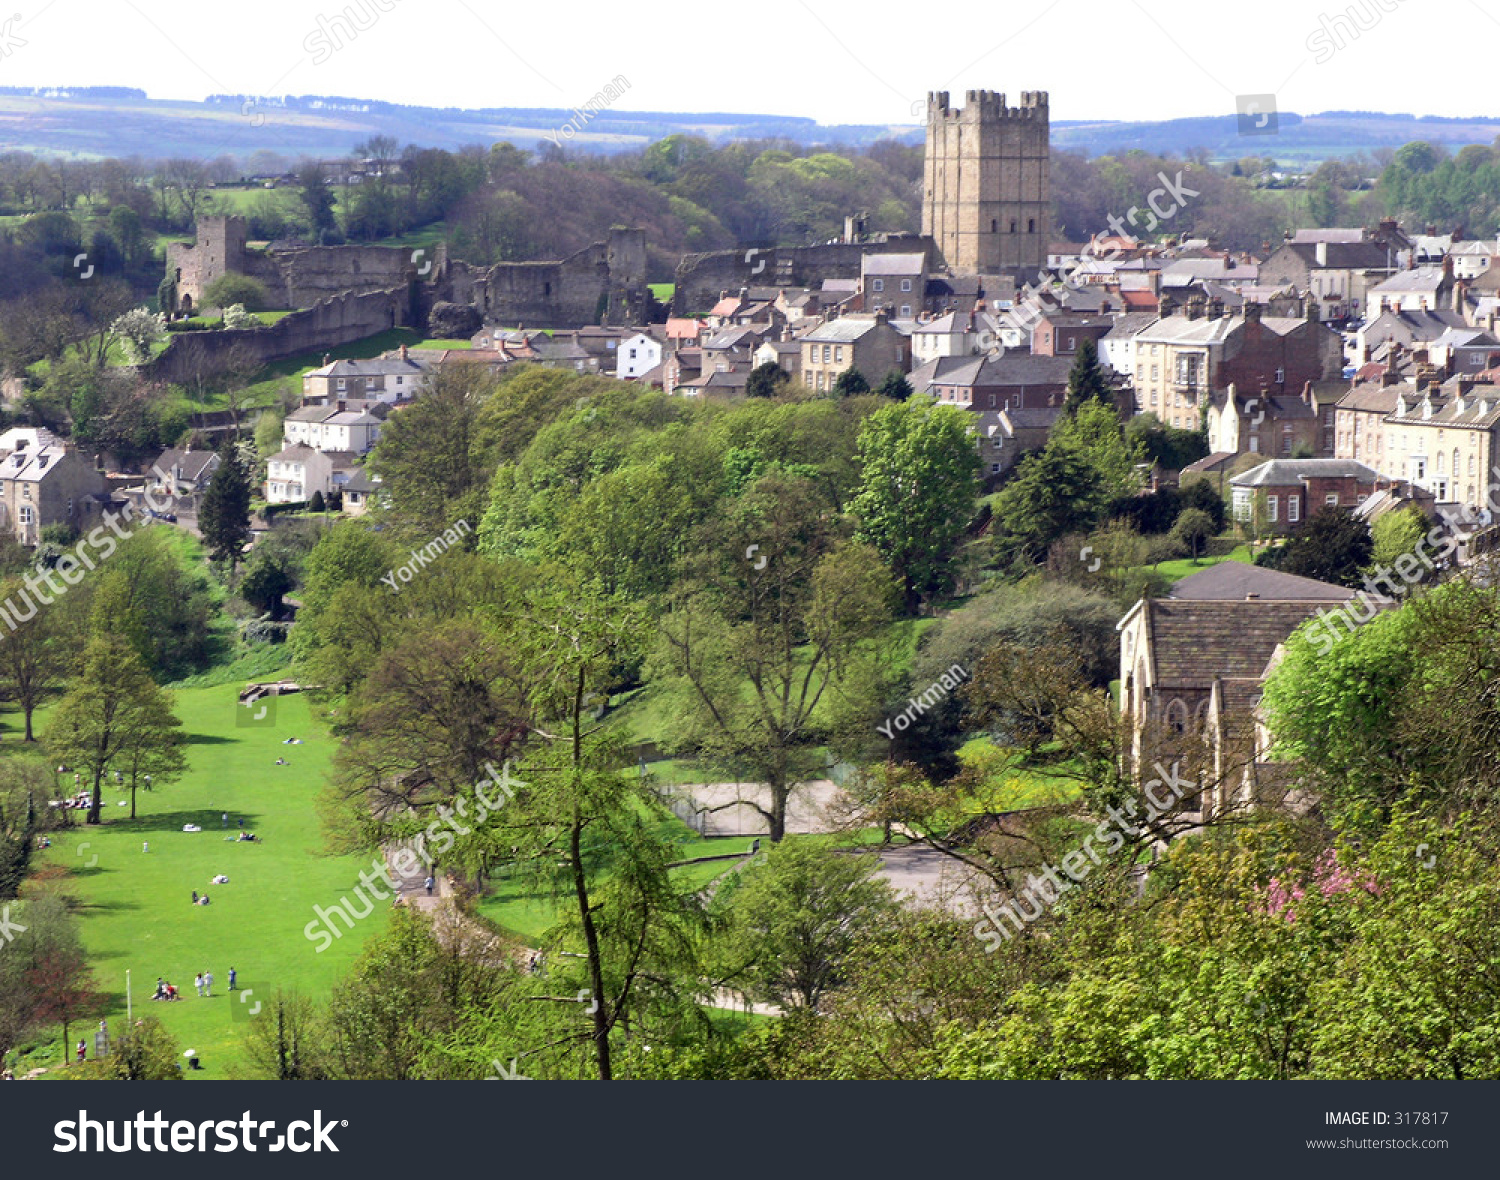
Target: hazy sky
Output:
[{"x": 838, "y": 62}]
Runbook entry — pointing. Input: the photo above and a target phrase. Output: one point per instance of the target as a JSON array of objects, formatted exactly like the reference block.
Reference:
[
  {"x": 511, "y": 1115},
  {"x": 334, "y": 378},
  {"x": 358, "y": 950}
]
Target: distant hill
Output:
[
  {"x": 1300, "y": 139},
  {"x": 84, "y": 122}
]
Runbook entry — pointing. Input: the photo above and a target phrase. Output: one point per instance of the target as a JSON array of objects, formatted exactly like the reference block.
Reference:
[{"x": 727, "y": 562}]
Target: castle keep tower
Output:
[{"x": 987, "y": 194}]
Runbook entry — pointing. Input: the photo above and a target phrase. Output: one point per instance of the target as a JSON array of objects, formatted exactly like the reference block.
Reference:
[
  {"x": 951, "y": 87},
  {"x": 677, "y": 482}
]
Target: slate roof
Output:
[
  {"x": 1231, "y": 581},
  {"x": 893, "y": 264},
  {"x": 1277, "y": 473},
  {"x": 1195, "y": 642}
]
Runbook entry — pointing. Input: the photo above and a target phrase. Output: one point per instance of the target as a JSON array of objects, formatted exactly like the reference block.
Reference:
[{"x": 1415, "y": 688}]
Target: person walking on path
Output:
[
  {"x": 231, "y": 979},
  {"x": 208, "y": 983},
  {"x": 429, "y": 883},
  {"x": 198, "y": 982}
]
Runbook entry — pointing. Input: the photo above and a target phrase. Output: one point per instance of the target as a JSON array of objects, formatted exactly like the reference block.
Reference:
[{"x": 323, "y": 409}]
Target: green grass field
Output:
[
  {"x": 1185, "y": 566},
  {"x": 135, "y": 907}
]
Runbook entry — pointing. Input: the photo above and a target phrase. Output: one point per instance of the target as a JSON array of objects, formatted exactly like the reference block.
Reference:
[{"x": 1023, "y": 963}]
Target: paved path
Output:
[
  {"x": 927, "y": 877},
  {"x": 814, "y": 807}
]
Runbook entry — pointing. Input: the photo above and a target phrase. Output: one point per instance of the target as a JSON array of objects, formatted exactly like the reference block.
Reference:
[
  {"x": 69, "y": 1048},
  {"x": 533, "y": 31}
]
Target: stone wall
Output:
[
  {"x": 327, "y": 324},
  {"x": 604, "y": 282},
  {"x": 701, "y": 278}
]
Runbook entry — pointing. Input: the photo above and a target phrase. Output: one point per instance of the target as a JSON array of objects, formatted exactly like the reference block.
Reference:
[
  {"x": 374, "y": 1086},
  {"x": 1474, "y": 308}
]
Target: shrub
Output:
[
  {"x": 229, "y": 289},
  {"x": 236, "y": 317}
]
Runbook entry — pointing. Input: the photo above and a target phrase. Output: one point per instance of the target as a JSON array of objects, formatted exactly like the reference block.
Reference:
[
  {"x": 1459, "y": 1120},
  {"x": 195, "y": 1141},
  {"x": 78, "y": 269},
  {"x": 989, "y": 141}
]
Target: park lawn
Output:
[
  {"x": 135, "y": 907},
  {"x": 1186, "y": 566},
  {"x": 662, "y": 292},
  {"x": 518, "y": 905}
]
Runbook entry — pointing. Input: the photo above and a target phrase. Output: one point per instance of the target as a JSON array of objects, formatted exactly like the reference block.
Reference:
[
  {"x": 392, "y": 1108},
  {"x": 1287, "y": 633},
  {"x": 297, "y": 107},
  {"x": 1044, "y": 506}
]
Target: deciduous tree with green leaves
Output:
[
  {"x": 919, "y": 478},
  {"x": 115, "y": 717}
]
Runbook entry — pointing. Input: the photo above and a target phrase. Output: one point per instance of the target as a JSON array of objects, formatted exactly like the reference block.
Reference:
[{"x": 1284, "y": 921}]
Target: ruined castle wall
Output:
[
  {"x": 604, "y": 281},
  {"x": 327, "y": 324},
  {"x": 701, "y": 278},
  {"x": 303, "y": 276}
]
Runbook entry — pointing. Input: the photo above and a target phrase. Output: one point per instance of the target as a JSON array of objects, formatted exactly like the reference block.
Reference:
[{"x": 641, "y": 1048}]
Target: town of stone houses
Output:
[{"x": 994, "y": 588}]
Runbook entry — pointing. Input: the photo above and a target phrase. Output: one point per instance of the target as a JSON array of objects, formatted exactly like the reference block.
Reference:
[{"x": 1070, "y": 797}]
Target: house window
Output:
[
  {"x": 838, "y": 354},
  {"x": 1273, "y": 505},
  {"x": 879, "y": 284},
  {"x": 1072, "y": 343},
  {"x": 906, "y": 284},
  {"x": 1012, "y": 225},
  {"x": 1331, "y": 500},
  {"x": 906, "y": 311},
  {"x": 994, "y": 469},
  {"x": 1293, "y": 509},
  {"x": 341, "y": 384},
  {"x": 28, "y": 514},
  {"x": 827, "y": 353},
  {"x": 1031, "y": 225}
]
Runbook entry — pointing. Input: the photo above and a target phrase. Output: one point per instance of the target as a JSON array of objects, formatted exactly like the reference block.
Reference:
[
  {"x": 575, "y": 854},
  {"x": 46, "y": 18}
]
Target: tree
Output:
[
  {"x": 140, "y": 329},
  {"x": 316, "y": 197},
  {"x": 1192, "y": 527},
  {"x": 1018, "y": 689},
  {"x": 1054, "y": 492},
  {"x": 265, "y": 582},
  {"x": 761, "y": 651},
  {"x": 1086, "y": 379},
  {"x": 794, "y": 916},
  {"x": 145, "y": 1052},
  {"x": 231, "y": 288},
  {"x": 115, "y": 713},
  {"x": 317, "y": 503},
  {"x": 895, "y": 386},
  {"x": 765, "y": 379},
  {"x": 224, "y": 516},
  {"x": 286, "y": 1039},
  {"x": 1333, "y": 545},
  {"x": 44, "y": 975},
  {"x": 1396, "y": 535},
  {"x": 917, "y": 490},
  {"x": 35, "y": 657},
  {"x": 851, "y": 383},
  {"x": 429, "y": 456}
]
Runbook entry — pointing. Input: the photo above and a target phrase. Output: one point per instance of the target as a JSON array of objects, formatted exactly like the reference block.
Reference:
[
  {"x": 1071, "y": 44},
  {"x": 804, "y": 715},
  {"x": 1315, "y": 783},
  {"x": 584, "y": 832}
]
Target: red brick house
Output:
[{"x": 1291, "y": 490}]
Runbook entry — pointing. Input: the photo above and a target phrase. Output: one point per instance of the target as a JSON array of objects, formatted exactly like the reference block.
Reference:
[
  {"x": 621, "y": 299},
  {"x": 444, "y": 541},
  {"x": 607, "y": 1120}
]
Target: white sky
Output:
[{"x": 838, "y": 61}]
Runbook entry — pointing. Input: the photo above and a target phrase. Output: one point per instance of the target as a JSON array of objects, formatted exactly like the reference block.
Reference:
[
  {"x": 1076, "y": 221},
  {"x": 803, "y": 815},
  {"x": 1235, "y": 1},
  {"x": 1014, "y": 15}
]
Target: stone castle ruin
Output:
[{"x": 602, "y": 283}]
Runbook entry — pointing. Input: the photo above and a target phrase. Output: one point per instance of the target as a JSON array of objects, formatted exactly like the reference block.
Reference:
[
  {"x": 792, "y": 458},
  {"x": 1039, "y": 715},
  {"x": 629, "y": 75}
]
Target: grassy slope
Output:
[{"x": 136, "y": 907}]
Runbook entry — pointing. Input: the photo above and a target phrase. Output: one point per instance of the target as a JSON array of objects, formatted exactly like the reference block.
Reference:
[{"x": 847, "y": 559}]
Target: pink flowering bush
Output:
[{"x": 1329, "y": 879}]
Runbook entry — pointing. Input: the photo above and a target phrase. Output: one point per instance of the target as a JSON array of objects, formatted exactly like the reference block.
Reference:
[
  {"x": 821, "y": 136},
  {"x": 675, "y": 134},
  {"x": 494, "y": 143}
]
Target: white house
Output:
[
  {"x": 636, "y": 355},
  {"x": 294, "y": 474},
  {"x": 332, "y": 428}
]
